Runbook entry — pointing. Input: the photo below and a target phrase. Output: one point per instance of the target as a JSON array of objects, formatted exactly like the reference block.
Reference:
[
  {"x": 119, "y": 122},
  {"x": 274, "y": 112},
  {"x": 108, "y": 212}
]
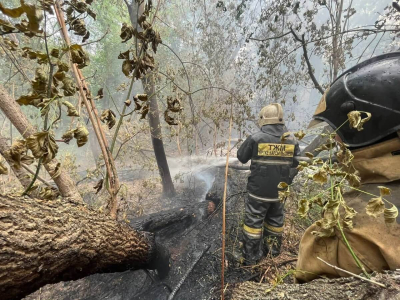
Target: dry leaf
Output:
[
  {"x": 303, "y": 208},
  {"x": 321, "y": 176},
  {"x": 345, "y": 156},
  {"x": 49, "y": 193},
  {"x": 55, "y": 52},
  {"x": 282, "y": 185},
  {"x": 100, "y": 93},
  {"x": 72, "y": 112},
  {"x": 356, "y": 121},
  {"x": 309, "y": 155},
  {"x": 300, "y": 134},
  {"x": 99, "y": 186},
  {"x": 3, "y": 169},
  {"x": 375, "y": 207},
  {"x": 69, "y": 86},
  {"x": 384, "y": 191},
  {"x": 169, "y": 119},
  {"x": 34, "y": 15},
  {"x": 108, "y": 117},
  {"x": 390, "y": 214},
  {"x": 68, "y": 135},
  {"x": 285, "y": 136},
  {"x": 42, "y": 145},
  {"x": 79, "y": 56},
  {"x": 81, "y": 135}
]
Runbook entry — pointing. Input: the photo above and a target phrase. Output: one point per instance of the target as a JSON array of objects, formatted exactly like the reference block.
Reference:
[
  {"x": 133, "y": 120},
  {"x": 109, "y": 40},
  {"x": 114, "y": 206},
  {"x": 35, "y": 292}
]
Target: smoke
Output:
[{"x": 196, "y": 173}]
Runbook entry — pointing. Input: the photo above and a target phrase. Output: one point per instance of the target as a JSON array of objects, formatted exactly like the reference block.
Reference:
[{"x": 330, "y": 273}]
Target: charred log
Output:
[
  {"x": 45, "y": 242},
  {"x": 167, "y": 224}
]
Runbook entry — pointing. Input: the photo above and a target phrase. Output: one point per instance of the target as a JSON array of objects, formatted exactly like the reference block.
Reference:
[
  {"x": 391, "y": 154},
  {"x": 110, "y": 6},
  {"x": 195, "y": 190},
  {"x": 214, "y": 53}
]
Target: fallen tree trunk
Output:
[
  {"x": 348, "y": 288},
  {"x": 45, "y": 242}
]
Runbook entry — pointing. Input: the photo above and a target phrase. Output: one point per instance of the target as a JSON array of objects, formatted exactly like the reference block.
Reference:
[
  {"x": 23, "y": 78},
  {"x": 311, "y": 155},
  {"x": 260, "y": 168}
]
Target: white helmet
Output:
[{"x": 271, "y": 114}]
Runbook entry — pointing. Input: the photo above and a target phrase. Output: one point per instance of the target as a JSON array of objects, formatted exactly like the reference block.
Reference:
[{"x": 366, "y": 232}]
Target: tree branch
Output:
[
  {"x": 305, "y": 54},
  {"x": 352, "y": 274},
  {"x": 270, "y": 38}
]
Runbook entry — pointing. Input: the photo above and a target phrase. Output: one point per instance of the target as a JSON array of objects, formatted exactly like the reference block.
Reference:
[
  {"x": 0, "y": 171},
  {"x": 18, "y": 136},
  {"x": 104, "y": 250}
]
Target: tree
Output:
[{"x": 138, "y": 11}]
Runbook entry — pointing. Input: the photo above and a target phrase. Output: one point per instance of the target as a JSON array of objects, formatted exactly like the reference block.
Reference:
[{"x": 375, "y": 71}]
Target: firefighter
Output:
[
  {"x": 271, "y": 161},
  {"x": 372, "y": 86}
]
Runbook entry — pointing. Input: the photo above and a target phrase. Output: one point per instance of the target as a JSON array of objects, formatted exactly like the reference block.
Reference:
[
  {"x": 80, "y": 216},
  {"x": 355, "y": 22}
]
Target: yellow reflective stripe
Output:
[
  {"x": 252, "y": 230},
  {"x": 273, "y": 162},
  {"x": 263, "y": 198},
  {"x": 273, "y": 228}
]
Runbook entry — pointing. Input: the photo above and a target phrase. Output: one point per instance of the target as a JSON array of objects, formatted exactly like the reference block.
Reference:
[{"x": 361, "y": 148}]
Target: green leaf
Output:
[
  {"x": 390, "y": 214},
  {"x": 375, "y": 207}
]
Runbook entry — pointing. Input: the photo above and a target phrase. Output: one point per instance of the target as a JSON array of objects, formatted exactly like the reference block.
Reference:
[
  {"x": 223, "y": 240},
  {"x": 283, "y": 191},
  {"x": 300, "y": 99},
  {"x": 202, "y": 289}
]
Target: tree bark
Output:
[
  {"x": 156, "y": 138},
  {"x": 14, "y": 113},
  {"x": 49, "y": 241}
]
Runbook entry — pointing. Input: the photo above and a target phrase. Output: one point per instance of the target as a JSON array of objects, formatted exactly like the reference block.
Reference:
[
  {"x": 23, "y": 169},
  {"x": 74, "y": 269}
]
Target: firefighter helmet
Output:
[
  {"x": 372, "y": 86},
  {"x": 271, "y": 114}
]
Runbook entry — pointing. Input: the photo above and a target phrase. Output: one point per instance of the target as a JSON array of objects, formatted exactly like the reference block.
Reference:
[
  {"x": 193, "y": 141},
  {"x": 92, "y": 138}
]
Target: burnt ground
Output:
[{"x": 185, "y": 243}]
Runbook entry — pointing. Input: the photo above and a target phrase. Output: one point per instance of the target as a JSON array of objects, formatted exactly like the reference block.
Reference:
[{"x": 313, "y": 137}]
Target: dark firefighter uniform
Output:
[
  {"x": 371, "y": 86},
  {"x": 271, "y": 161}
]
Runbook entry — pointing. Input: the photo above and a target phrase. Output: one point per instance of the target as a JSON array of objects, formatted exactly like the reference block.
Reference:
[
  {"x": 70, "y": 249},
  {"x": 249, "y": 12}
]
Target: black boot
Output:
[
  {"x": 272, "y": 245},
  {"x": 252, "y": 252}
]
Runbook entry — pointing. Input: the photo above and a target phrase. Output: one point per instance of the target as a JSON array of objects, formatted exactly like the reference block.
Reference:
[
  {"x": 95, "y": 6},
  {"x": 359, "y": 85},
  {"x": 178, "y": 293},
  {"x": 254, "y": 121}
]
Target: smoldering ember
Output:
[{"x": 199, "y": 149}]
